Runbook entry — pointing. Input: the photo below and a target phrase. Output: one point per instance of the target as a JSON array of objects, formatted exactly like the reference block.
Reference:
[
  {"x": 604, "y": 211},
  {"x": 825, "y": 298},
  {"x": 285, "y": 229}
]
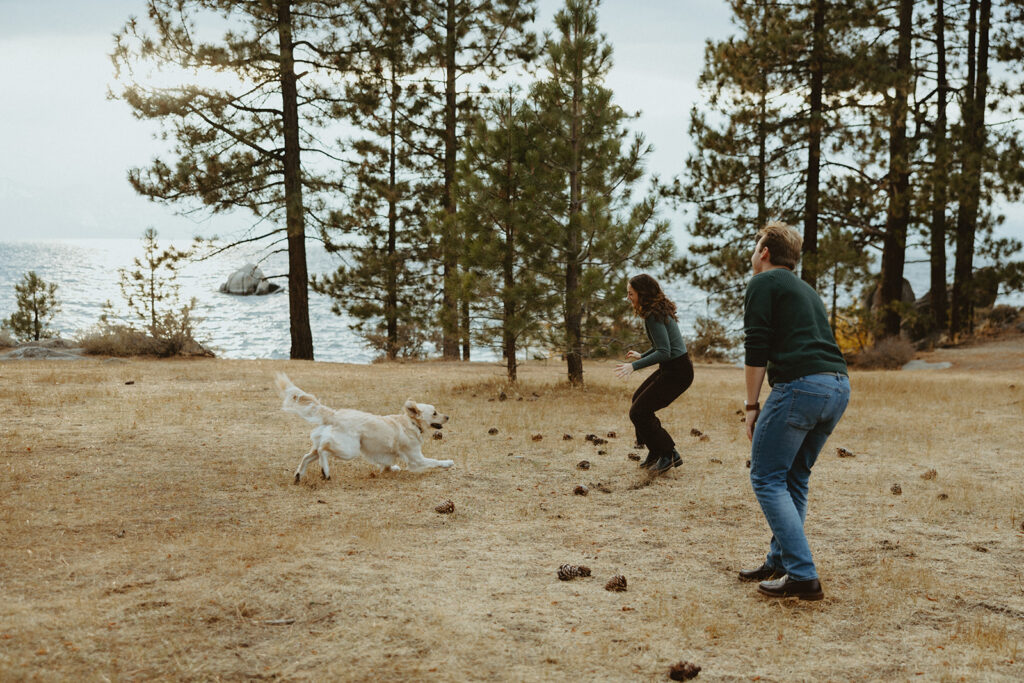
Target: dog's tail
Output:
[{"x": 299, "y": 402}]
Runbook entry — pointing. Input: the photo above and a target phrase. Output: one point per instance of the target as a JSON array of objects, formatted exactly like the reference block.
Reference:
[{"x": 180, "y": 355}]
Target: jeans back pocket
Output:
[{"x": 806, "y": 409}]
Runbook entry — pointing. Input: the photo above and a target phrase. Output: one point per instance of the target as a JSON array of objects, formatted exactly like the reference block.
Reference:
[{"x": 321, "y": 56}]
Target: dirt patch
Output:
[{"x": 1004, "y": 353}]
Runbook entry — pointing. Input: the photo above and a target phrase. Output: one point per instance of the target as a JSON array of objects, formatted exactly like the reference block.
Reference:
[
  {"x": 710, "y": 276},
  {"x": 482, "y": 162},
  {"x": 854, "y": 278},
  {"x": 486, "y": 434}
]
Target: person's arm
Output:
[
  {"x": 757, "y": 331},
  {"x": 754, "y": 378},
  {"x": 661, "y": 351}
]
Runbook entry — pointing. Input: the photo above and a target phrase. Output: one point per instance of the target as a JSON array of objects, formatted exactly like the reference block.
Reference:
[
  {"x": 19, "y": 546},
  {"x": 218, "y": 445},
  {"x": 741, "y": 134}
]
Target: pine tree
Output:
[
  {"x": 596, "y": 227},
  {"x": 972, "y": 152},
  {"x": 245, "y": 144},
  {"x": 898, "y": 179},
  {"x": 746, "y": 168},
  {"x": 36, "y": 305},
  {"x": 387, "y": 282},
  {"x": 500, "y": 217},
  {"x": 466, "y": 40}
]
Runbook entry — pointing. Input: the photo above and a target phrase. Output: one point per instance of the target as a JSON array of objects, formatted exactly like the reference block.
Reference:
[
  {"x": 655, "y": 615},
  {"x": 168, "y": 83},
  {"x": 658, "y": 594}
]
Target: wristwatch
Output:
[{"x": 752, "y": 406}]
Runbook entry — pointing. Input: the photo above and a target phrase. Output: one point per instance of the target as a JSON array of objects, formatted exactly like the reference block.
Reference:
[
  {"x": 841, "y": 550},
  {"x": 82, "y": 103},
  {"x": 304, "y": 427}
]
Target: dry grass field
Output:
[{"x": 150, "y": 529}]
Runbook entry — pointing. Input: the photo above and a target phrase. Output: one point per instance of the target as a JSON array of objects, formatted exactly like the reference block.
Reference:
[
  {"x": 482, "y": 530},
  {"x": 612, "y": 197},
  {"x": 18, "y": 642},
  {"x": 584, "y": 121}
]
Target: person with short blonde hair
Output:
[
  {"x": 783, "y": 242},
  {"x": 787, "y": 337}
]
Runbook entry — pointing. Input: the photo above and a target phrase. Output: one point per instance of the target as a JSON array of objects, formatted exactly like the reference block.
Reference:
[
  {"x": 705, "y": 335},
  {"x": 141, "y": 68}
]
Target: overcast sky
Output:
[{"x": 65, "y": 149}]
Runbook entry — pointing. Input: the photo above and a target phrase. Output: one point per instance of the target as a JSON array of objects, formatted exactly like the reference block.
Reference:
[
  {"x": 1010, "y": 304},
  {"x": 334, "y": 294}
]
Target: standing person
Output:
[
  {"x": 787, "y": 334},
  {"x": 673, "y": 376}
]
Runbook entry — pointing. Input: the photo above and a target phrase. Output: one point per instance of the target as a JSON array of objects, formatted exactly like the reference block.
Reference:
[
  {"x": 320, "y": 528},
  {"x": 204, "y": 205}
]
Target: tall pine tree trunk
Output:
[
  {"x": 973, "y": 116},
  {"x": 898, "y": 214},
  {"x": 762, "y": 159},
  {"x": 573, "y": 245},
  {"x": 939, "y": 182},
  {"x": 508, "y": 267},
  {"x": 809, "y": 269},
  {"x": 391, "y": 283},
  {"x": 298, "y": 277},
  {"x": 449, "y": 250}
]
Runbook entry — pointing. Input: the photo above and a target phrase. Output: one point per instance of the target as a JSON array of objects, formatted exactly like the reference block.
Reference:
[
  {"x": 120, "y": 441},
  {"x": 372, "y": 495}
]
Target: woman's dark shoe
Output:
[
  {"x": 651, "y": 458},
  {"x": 667, "y": 461},
  {"x": 788, "y": 588},
  {"x": 762, "y": 573}
]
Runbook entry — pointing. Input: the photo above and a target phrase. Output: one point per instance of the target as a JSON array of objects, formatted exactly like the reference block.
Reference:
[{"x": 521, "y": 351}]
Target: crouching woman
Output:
[{"x": 673, "y": 376}]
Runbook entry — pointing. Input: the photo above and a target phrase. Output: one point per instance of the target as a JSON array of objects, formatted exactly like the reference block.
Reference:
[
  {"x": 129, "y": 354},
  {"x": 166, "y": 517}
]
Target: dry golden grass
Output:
[{"x": 151, "y": 531}]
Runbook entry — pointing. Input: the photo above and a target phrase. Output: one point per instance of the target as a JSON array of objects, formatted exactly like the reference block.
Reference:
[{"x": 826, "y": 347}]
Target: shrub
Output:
[
  {"x": 1002, "y": 315},
  {"x": 5, "y": 337},
  {"x": 890, "y": 353},
  {"x": 123, "y": 340},
  {"x": 711, "y": 341},
  {"x": 151, "y": 294}
]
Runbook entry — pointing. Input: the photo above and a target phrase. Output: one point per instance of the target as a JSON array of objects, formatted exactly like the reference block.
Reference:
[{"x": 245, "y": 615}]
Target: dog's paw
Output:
[
  {"x": 298, "y": 477},
  {"x": 447, "y": 463},
  {"x": 394, "y": 468}
]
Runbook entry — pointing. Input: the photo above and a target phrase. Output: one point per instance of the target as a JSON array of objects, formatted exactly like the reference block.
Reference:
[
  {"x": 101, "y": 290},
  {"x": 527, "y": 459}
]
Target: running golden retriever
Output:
[{"x": 383, "y": 440}]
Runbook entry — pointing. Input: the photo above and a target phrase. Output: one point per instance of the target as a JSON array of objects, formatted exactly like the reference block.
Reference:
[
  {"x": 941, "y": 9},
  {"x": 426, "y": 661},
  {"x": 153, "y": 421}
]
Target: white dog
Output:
[{"x": 384, "y": 440}]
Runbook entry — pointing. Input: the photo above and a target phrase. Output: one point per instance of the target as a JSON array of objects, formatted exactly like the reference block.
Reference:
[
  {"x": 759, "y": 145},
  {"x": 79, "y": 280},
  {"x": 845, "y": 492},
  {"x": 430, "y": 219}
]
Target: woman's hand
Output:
[
  {"x": 632, "y": 355},
  {"x": 623, "y": 370}
]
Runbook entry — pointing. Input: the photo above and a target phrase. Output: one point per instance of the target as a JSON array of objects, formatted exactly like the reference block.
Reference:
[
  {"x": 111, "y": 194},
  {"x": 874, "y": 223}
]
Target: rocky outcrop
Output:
[
  {"x": 248, "y": 279},
  {"x": 45, "y": 349}
]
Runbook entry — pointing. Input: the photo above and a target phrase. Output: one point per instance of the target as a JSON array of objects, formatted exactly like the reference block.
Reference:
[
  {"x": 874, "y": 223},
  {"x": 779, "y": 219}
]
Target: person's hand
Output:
[
  {"x": 751, "y": 420},
  {"x": 632, "y": 355},
  {"x": 623, "y": 370}
]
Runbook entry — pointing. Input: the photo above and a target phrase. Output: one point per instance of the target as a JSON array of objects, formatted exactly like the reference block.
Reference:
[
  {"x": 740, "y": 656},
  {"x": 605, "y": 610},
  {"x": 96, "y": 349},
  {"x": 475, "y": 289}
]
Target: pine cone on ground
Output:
[
  {"x": 583, "y": 465},
  {"x": 581, "y": 490},
  {"x": 567, "y": 572},
  {"x": 438, "y": 436},
  {"x": 633, "y": 456},
  {"x": 612, "y": 435},
  {"x": 683, "y": 671},
  {"x": 930, "y": 474},
  {"x": 492, "y": 431},
  {"x": 445, "y": 508},
  {"x": 537, "y": 437},
  {"x": 843, "y": 453},
  {"x": 566, "y": 437},
  {"x": 897, "y": 490},
  {"x": 617, "y": 583},
  {"x": 696, "y": 432}
]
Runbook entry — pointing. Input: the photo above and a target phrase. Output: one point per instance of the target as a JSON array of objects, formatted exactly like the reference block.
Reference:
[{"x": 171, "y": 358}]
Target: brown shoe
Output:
[
  {"x": 788, "y": 588},
  {"x": 762, "y": 573}
]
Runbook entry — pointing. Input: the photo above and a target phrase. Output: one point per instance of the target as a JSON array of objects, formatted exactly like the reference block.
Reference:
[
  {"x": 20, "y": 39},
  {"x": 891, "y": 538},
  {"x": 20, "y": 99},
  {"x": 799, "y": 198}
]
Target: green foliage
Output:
[
  {"x": 386, "y": 281},
  {"x": 465, "y": 41},
  {"x": 600, "y": 226},
  {"x": 712, "y": 341},
  {"x": 37, "y": 304},
  {"x": 500, "y": 217},
  {"x": 156, "y": 321}
]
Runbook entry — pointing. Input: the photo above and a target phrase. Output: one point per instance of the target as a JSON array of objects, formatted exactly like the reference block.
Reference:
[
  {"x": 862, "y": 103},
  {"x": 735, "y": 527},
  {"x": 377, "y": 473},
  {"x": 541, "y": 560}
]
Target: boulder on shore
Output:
[{"x": 248, "y": 279}]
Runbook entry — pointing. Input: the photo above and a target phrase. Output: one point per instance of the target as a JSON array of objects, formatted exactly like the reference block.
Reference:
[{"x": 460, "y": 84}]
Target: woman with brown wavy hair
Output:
[{"x": 673, "y": 376}]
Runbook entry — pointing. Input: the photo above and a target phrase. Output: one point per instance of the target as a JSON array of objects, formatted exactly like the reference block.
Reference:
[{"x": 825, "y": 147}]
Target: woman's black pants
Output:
[{"x": 665, "y": 385}]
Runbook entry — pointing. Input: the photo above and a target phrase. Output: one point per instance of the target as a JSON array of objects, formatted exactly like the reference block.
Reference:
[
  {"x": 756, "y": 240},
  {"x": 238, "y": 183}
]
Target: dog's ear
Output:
[{"x": 412, "y": 408}]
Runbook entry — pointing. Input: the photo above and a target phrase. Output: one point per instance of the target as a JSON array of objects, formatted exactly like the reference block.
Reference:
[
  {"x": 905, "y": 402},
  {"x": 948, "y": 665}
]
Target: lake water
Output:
[{"x": 86, "y": 274}]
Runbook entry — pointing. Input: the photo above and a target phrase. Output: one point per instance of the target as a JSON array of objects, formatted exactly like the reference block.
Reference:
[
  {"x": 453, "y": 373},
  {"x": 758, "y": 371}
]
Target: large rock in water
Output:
[{"x": 248, "y": 279}]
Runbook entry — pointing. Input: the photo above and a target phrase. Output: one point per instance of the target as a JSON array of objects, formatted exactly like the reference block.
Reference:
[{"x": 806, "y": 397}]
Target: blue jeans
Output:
[{"x": 789, "y": 434}]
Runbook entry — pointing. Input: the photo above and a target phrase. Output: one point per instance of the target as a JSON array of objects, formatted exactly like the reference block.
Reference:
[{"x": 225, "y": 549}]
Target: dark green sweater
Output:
[
  {"x": 787, "y": 329},
  {"x": 666, "y": 342}
]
